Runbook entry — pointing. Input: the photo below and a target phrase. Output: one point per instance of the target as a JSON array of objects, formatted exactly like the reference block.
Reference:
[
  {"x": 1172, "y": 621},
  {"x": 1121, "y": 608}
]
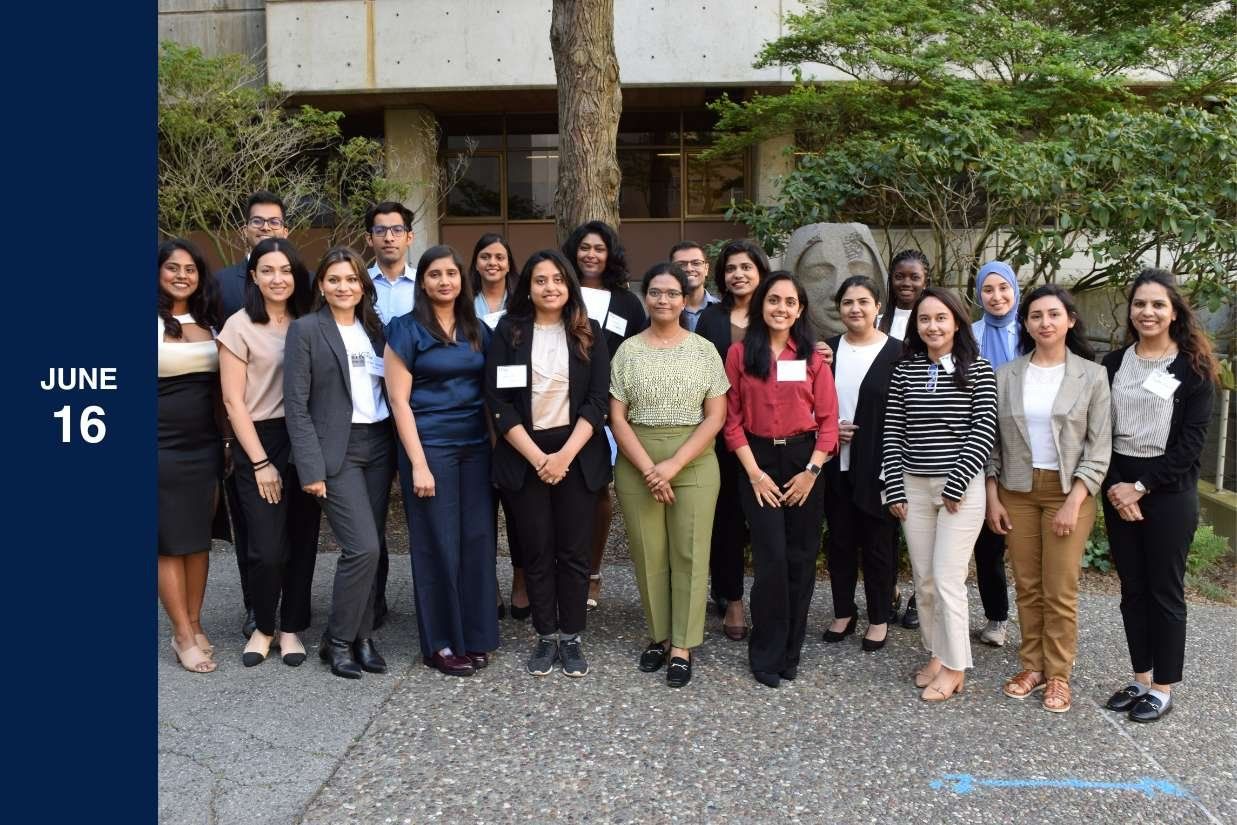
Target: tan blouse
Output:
[
  {"x": 260, "y": 346},
  {"x": 550, "y": 398}
]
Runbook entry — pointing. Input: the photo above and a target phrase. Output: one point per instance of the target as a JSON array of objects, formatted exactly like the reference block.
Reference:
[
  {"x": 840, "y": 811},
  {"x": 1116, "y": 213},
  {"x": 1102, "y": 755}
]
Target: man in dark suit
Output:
[{"x": 264, "y": 218}]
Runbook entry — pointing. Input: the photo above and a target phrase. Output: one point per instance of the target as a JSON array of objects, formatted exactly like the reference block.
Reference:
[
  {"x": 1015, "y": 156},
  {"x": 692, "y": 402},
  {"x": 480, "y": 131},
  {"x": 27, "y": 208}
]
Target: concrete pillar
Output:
[
  {"x": 412, "y": 158},
  {"x": 773, "y": 158}
]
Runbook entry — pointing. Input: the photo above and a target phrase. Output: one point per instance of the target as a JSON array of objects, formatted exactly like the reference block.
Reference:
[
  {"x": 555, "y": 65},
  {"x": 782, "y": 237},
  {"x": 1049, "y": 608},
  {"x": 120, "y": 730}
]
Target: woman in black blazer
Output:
[
  {"x": 863, "y": 360},
  {"x": 547, "y": 384},
  {"x": 340, "y": 427},
  {"x": 1163, "y": 389}
]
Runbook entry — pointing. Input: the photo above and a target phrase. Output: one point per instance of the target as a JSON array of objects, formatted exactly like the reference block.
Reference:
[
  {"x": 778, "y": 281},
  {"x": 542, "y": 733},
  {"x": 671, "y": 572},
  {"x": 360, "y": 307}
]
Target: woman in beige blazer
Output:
[{"x": 1053, "y": 445}]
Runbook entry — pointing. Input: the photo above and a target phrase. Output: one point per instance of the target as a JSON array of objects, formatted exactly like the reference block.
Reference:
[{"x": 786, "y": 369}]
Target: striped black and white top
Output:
[
  {"x": 932, "y": 428},
  {"x": 1140, "y": 418}
]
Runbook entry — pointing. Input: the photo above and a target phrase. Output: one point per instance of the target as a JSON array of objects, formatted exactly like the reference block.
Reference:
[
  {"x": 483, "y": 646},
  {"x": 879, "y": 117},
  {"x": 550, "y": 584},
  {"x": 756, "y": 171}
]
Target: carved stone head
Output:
[{"x": 821, "y": 256}]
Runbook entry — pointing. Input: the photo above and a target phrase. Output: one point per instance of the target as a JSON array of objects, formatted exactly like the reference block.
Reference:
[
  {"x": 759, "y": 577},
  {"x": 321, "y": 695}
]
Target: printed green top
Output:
[{"x": 667, "y": 387}]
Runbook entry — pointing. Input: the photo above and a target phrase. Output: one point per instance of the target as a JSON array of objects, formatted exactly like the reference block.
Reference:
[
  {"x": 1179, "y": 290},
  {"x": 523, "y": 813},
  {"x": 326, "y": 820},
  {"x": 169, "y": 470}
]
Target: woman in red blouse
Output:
[{"x": 782, "y": 424}]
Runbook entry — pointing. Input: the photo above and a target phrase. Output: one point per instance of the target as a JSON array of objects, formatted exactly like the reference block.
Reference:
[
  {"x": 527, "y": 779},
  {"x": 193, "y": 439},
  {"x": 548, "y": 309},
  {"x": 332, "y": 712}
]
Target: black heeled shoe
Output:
[
  {"x": 368, "y": 657},
  {"x": 834, "y": 636},
  {"x": 521, "y": 613},
  {"x": 339, "y": 656}
]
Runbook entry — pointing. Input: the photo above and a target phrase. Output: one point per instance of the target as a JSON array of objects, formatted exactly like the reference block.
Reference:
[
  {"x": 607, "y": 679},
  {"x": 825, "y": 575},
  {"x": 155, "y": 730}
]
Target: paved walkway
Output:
[{"x": 849, "y": 741}]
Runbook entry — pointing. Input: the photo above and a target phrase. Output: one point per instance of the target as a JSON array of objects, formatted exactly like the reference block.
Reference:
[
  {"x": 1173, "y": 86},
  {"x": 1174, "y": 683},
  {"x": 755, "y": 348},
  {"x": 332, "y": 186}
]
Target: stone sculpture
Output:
[{"x": 822, "y": 255}]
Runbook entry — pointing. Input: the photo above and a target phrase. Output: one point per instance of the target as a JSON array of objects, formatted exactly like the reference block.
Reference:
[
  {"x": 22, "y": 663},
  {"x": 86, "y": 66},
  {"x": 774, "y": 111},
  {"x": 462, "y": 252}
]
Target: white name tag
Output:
[
  {"x": 375, "y": 366},
  {"x": 616, "y": 324},
  {"x": 792, "y": 370},
  {"x": 491, "y": 320},
  {"x": 947, "y": 363},
  {"x": 1162, "y": 383},
  {"x": 596, "y": 301},
  {"x": 512, "y": 377}
]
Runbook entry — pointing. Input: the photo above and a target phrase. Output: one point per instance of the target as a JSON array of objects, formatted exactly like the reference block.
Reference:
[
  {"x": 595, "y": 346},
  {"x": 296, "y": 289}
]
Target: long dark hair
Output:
[
  {"x": 365, "y": 310},
  {"x": 886, "y": 323},
  {"x": 298, "y": 304},
  {"x": 965, "y": 351},
  {"x": 1186, "y": 332},
  {"x": 753, "y": 251},
  {"x": 757, "y": 357},
  {"x": 1075, "y": 337},
  {"x": 614, "y": 276},
  {"x": 520, "y": 305},
  {"x": 474, "y": 274},
  {"x": 465, "y": 314},
  {"x": 203, "y": 304}
]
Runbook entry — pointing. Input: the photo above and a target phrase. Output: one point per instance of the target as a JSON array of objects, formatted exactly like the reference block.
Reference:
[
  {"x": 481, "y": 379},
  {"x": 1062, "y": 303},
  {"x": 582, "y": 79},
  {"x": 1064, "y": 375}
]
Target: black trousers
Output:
[
  {"x": 554, "y": 526},
  {"x": 785, "y": 541},
  {"x": 513, "y": 540},
  {"x": 283, "y": 537},
  {"x": 990, "y": 574},
  {"x": 384, "y": 561},
  {"x": 1150, "y": 557},
  {"x": 730, "y": 533},
  {"x": 356, "y": 507},
  {"x": 852, "y": 529},
  {"x": 240, "y": 530}
]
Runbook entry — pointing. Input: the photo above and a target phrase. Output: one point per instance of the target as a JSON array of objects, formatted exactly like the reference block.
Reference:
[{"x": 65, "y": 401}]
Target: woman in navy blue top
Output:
[{"x": 435, "y": 362}]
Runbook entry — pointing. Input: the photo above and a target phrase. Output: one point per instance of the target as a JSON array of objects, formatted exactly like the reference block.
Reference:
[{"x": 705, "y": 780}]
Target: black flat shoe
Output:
[
  {"x": 368, "y": 657},
  {"x": 790, "y": 672},
  {"x": 339, "y": 656},
  {"x": 1149, "y": 709},
  {"x": 835, "y": 636},
  {"x": 250, "y": 624},
  {"x": 871, "y": 646},
  {"x": 521, "y": 613},
  {"x": 767, "y": 679},
  {"x": 679, "y": 673},
  {"x": 1124, "y": 699},
  {"x": 653, "y": 657},
  {"x": 910, "y": 619}
]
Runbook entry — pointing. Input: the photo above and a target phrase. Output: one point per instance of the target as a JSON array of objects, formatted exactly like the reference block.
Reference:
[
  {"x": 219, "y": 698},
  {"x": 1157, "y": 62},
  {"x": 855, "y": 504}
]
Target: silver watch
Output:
[
  {"x": 814, "y": 469},
  {"x": 1140, "y": 487}
]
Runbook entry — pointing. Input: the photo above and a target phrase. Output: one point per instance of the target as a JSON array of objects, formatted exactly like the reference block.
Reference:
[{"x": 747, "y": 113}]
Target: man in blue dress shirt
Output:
[{"x": 389, "y": 233}]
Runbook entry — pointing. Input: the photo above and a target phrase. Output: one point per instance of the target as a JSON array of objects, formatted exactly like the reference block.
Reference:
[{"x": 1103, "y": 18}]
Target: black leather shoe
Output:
[
  {"x": 339, "y": 656},
  {"x": 834, "y": 636},
  {"x": 368, "y": 657},
  {"x": 1149, "y": 708},
  {"x": 790, "y": 672},
  {"x": 910, "y": 619},
  {"x": 679, "y": 673},
  {"x": 1124, "y": 699},
  {"x": 870, "y": 646},
  {"x": 653, "y": 657},
  {"x": 767, "y": 679},
  {"x": 250, "y": 624}
]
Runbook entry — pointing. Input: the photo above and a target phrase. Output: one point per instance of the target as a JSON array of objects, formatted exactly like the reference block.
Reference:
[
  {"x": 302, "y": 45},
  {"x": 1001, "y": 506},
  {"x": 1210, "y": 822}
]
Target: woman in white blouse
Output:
[{"x": 1052, "y": 452}]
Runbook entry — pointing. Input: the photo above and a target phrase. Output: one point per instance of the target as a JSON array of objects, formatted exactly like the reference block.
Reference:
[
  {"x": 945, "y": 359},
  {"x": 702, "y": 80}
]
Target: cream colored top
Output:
[
  {"x": 260, "y": 346},
  {"x": 188, "y": 357},
  {"x": 551, "y": 400}
]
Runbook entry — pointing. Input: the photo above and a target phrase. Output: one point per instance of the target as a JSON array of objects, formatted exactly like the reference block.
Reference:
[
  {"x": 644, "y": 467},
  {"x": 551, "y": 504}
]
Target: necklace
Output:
[
  {"x": 665, "y": 342},
  {"x": 1163, "y": 352}
]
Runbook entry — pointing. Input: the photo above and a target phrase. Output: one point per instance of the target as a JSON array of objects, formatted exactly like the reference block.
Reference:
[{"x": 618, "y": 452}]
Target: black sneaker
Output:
[
  {"x": 572, "y": 658},
  {"x": 653, "y": 658},
  {"x": 545, "y": 654}
]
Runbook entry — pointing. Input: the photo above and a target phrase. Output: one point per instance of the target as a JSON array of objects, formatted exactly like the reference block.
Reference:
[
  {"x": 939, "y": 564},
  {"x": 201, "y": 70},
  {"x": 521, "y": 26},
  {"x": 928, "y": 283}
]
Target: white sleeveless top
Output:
[{"x": 189, "y": 357}]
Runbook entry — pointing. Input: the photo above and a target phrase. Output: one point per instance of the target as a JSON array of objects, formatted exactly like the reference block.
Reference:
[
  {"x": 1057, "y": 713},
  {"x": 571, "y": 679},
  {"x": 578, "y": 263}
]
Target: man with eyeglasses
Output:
[
  {"x": 389, "y": 233},
  {"x": 690, "y": 256}
]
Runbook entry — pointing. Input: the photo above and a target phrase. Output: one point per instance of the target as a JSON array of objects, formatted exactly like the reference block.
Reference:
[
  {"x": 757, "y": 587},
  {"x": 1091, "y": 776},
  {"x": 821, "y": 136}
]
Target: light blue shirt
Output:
[
  {"x": 394, "y": 299},
  {"x": 693, "y": 315},
  {"x": 482, "y": 307}
]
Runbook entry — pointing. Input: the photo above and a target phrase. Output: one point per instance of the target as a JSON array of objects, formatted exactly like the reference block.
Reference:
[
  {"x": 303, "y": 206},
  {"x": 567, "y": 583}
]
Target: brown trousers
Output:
[{"x": 1046, "y": 569}]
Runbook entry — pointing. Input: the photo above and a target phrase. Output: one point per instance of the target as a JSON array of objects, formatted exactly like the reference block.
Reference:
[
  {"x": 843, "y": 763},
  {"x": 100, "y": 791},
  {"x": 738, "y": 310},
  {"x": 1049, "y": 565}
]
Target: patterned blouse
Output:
[{"x": 667, "y": 387}]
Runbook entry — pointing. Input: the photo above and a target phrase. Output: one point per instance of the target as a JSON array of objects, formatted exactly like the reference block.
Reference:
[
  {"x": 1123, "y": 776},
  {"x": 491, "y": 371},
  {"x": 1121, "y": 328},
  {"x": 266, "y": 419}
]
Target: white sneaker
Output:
[{"x": 994, "y": 634}]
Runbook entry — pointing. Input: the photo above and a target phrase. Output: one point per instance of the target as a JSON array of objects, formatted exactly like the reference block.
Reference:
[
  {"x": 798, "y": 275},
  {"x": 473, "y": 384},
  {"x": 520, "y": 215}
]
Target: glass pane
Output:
[
  {"x": 532, "y": 176},
  {"x": 648, "y": 129},
  {"x": 712, "y": 184},
  {"x": 527, "y": 131},
  {"x": 651, "y": 183},
  {"x": 477, "y": 194},
  {"x": 486, "y": 130}
]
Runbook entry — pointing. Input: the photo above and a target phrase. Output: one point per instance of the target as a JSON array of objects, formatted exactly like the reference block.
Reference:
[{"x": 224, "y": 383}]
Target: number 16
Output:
[{"x": 91, "y": 424}]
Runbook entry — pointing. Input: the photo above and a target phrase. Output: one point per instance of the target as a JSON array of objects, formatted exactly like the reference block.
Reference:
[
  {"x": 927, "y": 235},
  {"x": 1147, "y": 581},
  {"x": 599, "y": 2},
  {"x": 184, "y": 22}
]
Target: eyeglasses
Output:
[
  {"x": 934, "y": 370},
  {"x": 396, "y": 231},
  {"x": 696, "y": 264},
  {"x": 261, "y": 223},
  {"x": 669, "y": 294}
]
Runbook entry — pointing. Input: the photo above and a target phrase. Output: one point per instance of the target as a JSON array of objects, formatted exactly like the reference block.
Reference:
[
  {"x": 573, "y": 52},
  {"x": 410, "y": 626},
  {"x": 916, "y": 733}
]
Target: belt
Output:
[{"x": 810, "y": 435}]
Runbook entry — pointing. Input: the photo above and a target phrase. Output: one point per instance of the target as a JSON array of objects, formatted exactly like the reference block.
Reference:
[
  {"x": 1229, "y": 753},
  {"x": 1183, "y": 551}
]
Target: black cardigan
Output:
[
  {"x": 588, "y": 391},
  {"x": 866, "y": 446},
  {"x": 1179, "y": 468},
  {"x": 714, "y": 324},
  {"x": 626, "y": 305}
]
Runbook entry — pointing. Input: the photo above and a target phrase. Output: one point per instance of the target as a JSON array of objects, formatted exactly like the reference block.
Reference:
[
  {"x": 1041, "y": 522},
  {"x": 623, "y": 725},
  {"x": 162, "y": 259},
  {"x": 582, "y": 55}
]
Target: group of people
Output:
[{"x": 722, "y": 421}]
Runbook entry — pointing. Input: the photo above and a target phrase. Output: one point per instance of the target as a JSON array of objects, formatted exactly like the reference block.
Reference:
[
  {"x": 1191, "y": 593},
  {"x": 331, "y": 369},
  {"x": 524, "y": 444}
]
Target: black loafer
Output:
[
  {"x": 910, "y": 619},
  {"x": 339, "y": 656},
  {"x": 1124, "y": 699},
  {"x": 679, "y": 673},
  {"x": 250, "y": 624},
  {"x": 653, "y": 657},
  {"x": 837, "y": 636},
  {"x": 478, "y": 659},
  {"x": 1149, "y": 709},
  {"x": 767, "y": 679},
  {"x": 368, "y": 657}
]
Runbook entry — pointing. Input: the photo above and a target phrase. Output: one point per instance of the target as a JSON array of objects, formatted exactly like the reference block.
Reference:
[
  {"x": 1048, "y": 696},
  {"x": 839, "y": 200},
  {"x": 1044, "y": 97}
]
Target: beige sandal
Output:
[
  {"x": 204, "y": 645},
  {"x": 932, "y": 693},
  {"x": 193, "y": 659},
  {"x": 923, "y": 677}
]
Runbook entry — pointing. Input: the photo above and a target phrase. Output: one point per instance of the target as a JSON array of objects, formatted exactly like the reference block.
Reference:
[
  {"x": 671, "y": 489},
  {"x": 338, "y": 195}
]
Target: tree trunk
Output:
[{"x": 589, "y": 104}]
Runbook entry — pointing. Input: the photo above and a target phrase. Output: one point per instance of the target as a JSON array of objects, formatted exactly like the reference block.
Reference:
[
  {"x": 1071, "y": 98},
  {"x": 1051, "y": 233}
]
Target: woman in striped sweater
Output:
[{"x": 940, "y": 425}]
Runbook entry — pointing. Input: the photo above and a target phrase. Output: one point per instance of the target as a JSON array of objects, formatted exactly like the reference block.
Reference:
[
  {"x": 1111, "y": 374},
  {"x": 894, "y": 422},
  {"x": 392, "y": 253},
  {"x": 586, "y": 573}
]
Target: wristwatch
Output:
[
  {"x": 814, "y": 469},
  {"x": 1140, "y": 487}
]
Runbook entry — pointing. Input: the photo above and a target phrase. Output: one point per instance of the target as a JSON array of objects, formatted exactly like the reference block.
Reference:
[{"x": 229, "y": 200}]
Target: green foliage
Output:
[
  {"x": 1010, "y": 128},
  {"x": 1206, "y": 551},
  {"x": 1095, "y": 554}
]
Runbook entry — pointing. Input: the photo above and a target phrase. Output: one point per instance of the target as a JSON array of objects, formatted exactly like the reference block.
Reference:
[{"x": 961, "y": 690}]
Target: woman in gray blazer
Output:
[
  {"x": 340, "y": 427},
  {"x": 1053, "y": 445}
]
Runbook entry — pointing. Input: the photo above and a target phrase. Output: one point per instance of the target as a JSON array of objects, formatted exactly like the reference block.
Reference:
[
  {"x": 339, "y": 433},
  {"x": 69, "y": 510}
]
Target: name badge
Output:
[
  {"x": 1162, "y": 383},
  {"x": 491, "y": 320},
  {"x": 374, "y": 366},
  {"x": 616, "y": 324},
  {"x": 947, "y": 363},
  {"x": 792, "y": 370},
  {"x": 512, "y": 377}
]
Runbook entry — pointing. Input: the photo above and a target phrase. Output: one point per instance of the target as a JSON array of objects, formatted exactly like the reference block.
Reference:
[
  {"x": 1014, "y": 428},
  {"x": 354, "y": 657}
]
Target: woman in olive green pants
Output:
[{"x": 668, "y": 388}]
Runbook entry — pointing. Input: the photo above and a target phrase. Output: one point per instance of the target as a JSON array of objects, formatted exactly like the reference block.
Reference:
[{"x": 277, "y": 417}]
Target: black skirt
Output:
[{"x": 190, "y": 462}]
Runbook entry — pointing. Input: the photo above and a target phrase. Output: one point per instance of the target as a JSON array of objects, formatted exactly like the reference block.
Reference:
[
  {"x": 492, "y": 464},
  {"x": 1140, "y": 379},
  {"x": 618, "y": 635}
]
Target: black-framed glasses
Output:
[
  {"x": 396, "y": 231},
  {"x": 261, "y": 223},
  {"x": 934, "y": 371}
]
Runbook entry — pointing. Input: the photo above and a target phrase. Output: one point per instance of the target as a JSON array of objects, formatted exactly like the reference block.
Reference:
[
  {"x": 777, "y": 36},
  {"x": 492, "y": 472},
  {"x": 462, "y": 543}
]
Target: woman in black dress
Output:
[{"x": 190, "y": 452}]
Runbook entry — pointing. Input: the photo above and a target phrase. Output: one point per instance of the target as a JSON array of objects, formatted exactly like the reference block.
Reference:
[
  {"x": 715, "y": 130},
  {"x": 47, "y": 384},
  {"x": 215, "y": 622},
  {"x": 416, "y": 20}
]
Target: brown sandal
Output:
[
  {"x": 1024, "y": 684},
  {"x": 1057, "y": 696}
]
